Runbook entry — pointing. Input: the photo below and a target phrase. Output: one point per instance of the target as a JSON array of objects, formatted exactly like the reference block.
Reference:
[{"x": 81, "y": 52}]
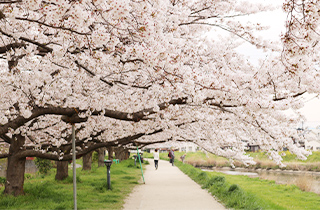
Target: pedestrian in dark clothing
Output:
[
  {"x": 156, "y": 158},
  {"x": 171, "y": 156}
]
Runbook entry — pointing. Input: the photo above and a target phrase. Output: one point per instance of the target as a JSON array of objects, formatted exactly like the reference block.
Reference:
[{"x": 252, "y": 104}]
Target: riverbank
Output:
[
  {"x": 243, "y": 192},
  {"x": 308, "y": 181},
  {"x": 201, "y": 159},
  {"x": 282, "y": 171}
]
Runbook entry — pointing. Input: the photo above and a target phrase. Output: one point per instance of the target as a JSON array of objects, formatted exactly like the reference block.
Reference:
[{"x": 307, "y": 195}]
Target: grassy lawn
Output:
[
  {"x": 236, "y": 192},
  {"x": 284, "y": 196},
  {"x": 44, "y": 192}
]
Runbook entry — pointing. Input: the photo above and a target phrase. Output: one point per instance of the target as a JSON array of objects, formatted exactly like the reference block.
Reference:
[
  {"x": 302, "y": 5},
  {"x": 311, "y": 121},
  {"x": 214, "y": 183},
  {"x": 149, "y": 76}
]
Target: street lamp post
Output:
[
  {"x": 72, "y": 120},
  {"x": 108, "y": 164},
  {"x": 74, "y": 168}
]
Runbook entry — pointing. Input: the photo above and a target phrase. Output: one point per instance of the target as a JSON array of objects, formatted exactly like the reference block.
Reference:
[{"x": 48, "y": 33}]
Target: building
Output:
[
  {"x": 310, "y": 138},
  {"x": 179, "y": 147}
]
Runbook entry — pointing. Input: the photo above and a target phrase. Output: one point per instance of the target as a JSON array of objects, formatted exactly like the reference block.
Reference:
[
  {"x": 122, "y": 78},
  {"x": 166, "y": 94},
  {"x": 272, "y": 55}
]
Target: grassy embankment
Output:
[
  {"x": 242, "y": 192},
  {"x": 44, "y": 192},
  {"x": 200, "y": 159}
]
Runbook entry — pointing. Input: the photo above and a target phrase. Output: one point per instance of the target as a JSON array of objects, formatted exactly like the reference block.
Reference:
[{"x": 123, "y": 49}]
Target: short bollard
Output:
[
  {"x": 108, "y": 164},
  {"x": 135, "y": 159}
]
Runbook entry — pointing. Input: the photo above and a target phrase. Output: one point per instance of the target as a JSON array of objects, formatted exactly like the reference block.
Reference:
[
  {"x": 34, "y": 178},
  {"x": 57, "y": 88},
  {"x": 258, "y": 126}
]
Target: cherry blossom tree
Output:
[
  {"x": 301, "y": 43},
  {"x": 302, "y": 34},
  {"x": 139, "y": 72}
]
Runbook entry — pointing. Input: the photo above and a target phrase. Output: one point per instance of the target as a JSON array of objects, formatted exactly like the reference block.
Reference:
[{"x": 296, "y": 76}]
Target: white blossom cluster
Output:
[{"x": 129, "y": 56}]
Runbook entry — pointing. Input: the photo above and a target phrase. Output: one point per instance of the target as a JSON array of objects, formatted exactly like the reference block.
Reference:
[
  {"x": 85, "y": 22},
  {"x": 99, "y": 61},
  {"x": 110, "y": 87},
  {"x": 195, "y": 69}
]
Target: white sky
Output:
[{"x": 276, "y": 20}]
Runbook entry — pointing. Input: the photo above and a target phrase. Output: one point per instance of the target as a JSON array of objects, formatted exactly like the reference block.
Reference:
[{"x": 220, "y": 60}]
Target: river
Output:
[{"x": 310, "y": 180}]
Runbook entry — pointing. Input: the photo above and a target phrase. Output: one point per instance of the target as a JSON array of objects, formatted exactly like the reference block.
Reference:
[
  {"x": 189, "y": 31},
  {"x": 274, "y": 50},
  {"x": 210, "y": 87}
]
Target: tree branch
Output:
[
  {"x": 92, "y": 74},
  {"x": 6, "y": 138},
  {"x": 112, "y": 83},
  {"x": 43, "y": 46},
  {"x": 9, "y": 2},
  {"x": 8, "y": 47},
  {"x": 293, "y": 96},
  {"x": 55, "y": 27},
  {"x": 136, "y": 116}
]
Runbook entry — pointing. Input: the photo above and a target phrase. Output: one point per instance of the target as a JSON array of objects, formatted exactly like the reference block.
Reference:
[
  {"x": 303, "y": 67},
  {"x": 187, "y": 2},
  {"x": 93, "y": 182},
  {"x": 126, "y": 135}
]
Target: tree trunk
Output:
[
  {"x": 121, "y": 153},
  {"x": 101, "y": 156},
  {"x": 110, "y": 153},
  {"x": 126, "y": 154},
  {"x": 15, "y": 168},
  {"x": 62, "y": 170},
  {"x": 87, "y": 161}
]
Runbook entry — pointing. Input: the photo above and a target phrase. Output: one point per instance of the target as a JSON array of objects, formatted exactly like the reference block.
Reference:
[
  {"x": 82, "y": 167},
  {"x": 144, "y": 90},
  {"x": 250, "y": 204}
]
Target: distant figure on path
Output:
[
  {"x": 182, "y": 158},
  {"x": 171, "y": 156},
  {"x": 156, "y": 158}
]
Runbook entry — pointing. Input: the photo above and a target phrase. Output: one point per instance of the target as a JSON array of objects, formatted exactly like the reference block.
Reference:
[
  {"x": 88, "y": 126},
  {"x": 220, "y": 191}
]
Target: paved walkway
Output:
[{"x": 168, "y": 188}]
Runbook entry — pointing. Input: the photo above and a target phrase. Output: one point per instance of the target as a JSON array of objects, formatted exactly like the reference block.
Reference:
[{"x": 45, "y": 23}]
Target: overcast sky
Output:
[{"x": 276, "y": 20}]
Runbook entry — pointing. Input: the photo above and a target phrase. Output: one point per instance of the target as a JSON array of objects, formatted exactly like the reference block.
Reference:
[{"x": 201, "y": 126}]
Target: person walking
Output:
[
  {"x": 171, "y": 155},
  {"x": 182, "y": 158},
  {"x": 156, "y": 158}
]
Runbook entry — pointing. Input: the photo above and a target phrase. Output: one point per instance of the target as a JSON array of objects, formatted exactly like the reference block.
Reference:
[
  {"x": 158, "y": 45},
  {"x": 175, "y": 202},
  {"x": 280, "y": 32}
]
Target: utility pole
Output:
[{"x": 72, "y": 120}]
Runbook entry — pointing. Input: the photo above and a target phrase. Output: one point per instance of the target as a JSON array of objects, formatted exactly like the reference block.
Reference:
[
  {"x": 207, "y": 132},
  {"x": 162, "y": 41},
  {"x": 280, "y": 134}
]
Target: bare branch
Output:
[
  {"x": 43, "y": 46},
  {"x": 9, "y": 2},
  {"x": 8, "y": 47},
  {"x": 112, "y": 83},
  {"x": 41, "y": 111},
  {"x": 55, "y": 27},
  {"x": 293, "y": 96},
  {"x": 6, "y": 138},
  {"x": 93, "y": 74}
]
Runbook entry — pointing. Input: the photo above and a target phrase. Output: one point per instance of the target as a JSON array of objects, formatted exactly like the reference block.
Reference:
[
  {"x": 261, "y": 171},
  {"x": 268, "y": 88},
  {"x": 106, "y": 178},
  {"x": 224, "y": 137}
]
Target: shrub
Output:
[
  {"x": 233, "y": 187},
  {"x": 69, "y": 179},
  {"x": 102, "y": 187},
  {"x": 216, "y": 180},
  {"x": 2, "y": 180},
  {"x": 131, "y": 165},
  {"x": 202, "y": 177},
  {"x": 27, "y": 176},
  {"x": 219, "y": 180},
  {"x": 94, "y": 156},
  {"x": 304, "y": 183},
  {"x": 43, "y": 165}
]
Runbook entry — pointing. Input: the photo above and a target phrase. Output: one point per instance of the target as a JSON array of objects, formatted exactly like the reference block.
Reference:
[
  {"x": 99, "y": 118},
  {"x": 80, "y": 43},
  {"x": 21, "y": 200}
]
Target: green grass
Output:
[
  {"x": 284, "y": 196},
  {"x": 44, "y": 192},
  {"x": 288, "y": 157},
  {"x": 242, "y": 192}
]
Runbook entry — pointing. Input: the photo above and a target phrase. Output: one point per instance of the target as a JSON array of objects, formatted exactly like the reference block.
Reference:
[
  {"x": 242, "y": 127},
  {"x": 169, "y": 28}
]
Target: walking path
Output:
[{"x": 170, "y": 189}]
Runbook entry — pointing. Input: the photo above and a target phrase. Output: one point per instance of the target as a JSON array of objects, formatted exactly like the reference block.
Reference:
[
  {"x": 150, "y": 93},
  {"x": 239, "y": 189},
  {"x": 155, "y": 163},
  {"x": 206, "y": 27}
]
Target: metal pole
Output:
[
  {"x": 108, "y": 177},
  {"x": 74, "y": 168},
  {"x": 140, "y": 164}
]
